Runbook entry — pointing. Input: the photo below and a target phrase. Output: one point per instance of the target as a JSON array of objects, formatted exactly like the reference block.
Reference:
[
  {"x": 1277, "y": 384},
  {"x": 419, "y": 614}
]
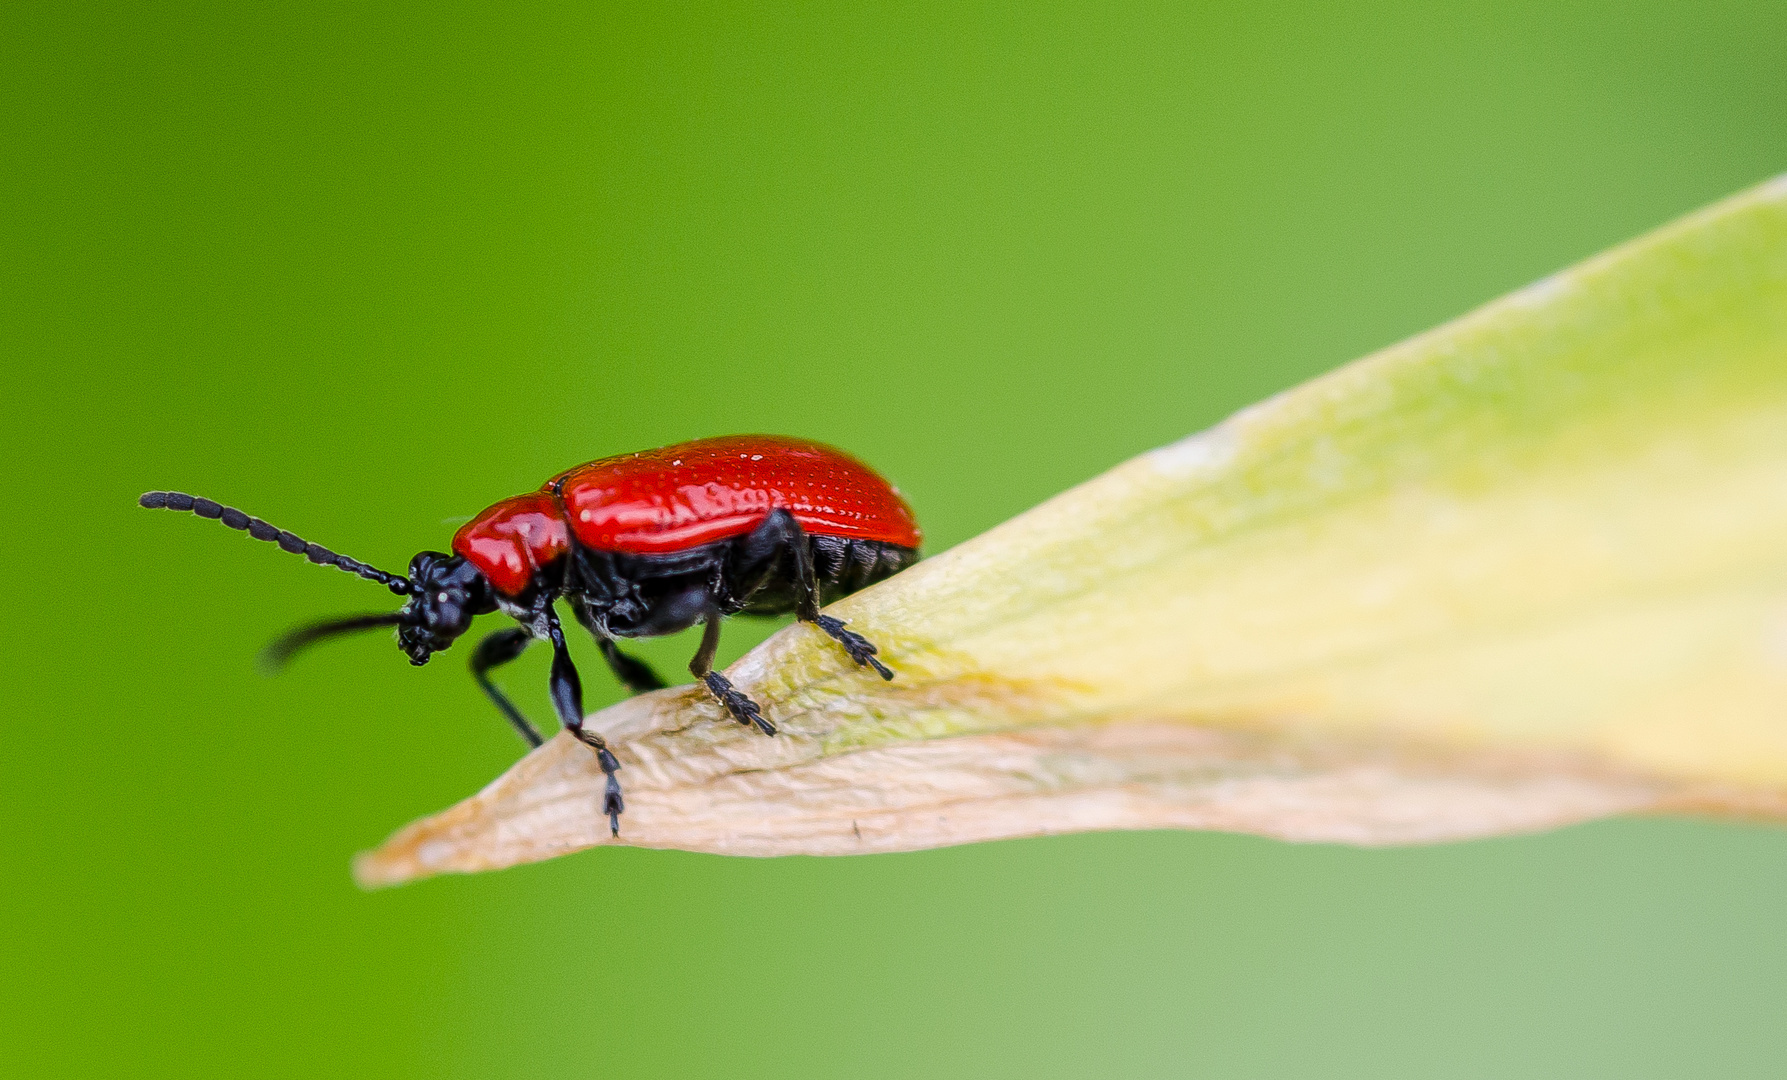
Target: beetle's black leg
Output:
[
  {"x": 860, "y": 648},
  {"x": 781, "y": 530},
  {"x": 497, "y": 649},
  {"x": 567, "y": 700},
  {"x": 636, "y": 675},
  {"x": 742, "y": 708}
]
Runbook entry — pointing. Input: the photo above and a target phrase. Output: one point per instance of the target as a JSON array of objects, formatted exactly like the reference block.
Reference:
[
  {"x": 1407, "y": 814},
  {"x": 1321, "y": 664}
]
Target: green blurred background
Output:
[{"x": 365, "y": 270}]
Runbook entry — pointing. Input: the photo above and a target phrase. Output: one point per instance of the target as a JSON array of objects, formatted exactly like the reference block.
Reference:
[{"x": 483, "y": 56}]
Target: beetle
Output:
[{"x": 637, "y": 545}]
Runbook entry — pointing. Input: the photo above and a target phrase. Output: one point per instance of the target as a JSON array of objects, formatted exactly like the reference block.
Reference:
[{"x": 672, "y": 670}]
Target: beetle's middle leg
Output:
[
  {"x": 742, "y": 708},
  {"x": 634, "y": 674}
]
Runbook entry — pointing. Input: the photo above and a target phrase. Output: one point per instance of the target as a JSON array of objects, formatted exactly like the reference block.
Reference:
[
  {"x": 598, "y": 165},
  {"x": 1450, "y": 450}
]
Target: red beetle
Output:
[{"x": 639, "y": 545}]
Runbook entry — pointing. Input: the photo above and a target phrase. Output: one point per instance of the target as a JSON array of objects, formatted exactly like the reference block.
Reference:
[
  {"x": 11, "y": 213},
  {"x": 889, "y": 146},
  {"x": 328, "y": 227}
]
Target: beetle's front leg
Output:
[
  {"x": 496, "y": 649},
  {"x": 567, "y": 700}
]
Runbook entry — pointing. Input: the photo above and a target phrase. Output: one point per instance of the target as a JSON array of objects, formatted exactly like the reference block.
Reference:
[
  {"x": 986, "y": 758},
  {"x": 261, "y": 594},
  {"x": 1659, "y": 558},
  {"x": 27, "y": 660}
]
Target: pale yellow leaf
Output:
[{"x": 1527, "y": 569}]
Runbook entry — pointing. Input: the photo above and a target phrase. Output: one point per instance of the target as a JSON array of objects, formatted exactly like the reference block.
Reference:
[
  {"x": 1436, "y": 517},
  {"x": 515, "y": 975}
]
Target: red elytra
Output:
[{"x": 683, "y": 496}]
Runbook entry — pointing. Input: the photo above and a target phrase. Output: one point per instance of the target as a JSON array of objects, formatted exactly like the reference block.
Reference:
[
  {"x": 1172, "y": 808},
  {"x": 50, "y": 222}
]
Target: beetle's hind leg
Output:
[
  {"x": 860, "y": 648},
  {"x": 742, "y": 708},
  {"x": 780, "y": 535}
]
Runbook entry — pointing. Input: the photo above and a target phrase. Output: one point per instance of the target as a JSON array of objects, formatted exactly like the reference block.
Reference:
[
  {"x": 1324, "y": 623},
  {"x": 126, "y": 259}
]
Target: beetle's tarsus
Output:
[
  {"x": 860, "y": 648},
  {"x": 742, "y": 708},
  {"x": 612, "y": 803}
]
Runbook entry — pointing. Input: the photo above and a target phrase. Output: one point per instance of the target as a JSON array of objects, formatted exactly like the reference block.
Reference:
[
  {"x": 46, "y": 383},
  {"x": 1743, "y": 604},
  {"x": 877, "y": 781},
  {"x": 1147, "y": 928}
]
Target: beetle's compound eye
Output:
[{"x": 447, "y": 619}]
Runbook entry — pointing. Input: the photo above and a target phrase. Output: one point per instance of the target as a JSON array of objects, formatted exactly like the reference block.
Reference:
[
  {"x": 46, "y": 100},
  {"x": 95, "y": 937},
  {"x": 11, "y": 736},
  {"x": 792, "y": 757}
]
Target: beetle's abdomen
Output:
[
  {"x": 512, "y": 540},
  {"x": 841, "y": 566},
  {"x": 694, "y": 493}
]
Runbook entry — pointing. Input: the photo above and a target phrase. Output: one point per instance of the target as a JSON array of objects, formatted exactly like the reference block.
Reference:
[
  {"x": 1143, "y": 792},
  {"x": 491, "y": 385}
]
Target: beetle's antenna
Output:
[
  {"x": 281, "y": 649},
  {"x": 260, "y": 530}
]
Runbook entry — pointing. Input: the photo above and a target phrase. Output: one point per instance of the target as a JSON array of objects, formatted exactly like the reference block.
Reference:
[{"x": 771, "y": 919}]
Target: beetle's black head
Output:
[{"x": 445, "y": 592}]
